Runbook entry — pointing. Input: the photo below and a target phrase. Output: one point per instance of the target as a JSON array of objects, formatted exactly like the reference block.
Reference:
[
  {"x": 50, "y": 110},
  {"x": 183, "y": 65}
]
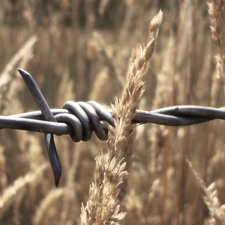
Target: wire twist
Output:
[{"x": 81, "y": 119}]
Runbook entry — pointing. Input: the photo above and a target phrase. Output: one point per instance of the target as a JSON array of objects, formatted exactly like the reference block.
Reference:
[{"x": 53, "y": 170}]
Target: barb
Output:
[
  {"x": 81, "y": 119},
  {"x": 49, "y": 140}
]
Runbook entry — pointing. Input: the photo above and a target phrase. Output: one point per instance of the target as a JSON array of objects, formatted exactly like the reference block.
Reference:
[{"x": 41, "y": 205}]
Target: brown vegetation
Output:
[{"x": 82, "y": 50}]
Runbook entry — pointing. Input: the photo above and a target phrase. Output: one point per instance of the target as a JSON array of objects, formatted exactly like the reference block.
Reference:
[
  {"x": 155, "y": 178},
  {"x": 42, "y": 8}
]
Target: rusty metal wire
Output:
[{"x": 81, "y": 119}]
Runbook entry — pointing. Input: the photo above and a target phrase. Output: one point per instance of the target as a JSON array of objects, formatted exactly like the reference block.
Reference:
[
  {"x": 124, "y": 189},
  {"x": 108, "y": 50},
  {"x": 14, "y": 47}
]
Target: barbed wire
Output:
[{"x": 81, "y": 119}]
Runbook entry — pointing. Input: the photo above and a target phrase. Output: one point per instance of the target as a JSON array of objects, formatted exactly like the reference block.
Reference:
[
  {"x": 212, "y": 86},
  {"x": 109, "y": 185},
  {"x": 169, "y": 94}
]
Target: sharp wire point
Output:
[{"x": 47, "y": 114}]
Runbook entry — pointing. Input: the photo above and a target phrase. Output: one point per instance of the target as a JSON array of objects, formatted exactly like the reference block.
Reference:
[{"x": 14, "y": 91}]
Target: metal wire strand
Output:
[
  {"x": 81, "y": 119},
  {"x": 75, "y": 122}
]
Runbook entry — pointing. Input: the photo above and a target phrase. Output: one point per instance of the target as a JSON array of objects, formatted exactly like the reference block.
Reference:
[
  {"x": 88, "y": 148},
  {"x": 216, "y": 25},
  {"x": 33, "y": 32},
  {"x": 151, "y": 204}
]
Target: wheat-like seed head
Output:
[
  {"x": 217, "y": 211},
  {"x": 104, "y": 206}
]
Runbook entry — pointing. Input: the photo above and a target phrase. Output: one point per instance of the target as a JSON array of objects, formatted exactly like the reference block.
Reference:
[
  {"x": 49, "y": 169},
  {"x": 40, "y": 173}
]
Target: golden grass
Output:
[
  {"x": 217, "y": 20},
  {"x": 82, "y": 50},
  {"x": 12, "y": 192},
  {"x": 104, "y": 204}
]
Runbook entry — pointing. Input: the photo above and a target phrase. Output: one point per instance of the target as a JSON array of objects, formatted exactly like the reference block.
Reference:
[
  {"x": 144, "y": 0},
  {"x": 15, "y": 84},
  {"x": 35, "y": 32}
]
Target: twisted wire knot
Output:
[{"x": 83, "y": 118}]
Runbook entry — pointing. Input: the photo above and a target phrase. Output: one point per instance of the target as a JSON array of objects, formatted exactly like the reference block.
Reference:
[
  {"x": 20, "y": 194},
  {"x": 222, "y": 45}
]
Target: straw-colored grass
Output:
[
  {"x": 104, "y": 204},
  {"x": 82, "y": 50}
]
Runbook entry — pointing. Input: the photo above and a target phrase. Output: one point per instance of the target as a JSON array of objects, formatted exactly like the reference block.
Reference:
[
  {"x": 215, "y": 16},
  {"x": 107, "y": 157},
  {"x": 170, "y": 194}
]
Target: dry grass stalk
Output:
[
  {"x": 7, "y": 76},
  {"x": 217, "y": 211},
  {"x": 24, "y": 53},
  {"x": 11, "y": 192},
  {"x": 216, "y": 9},
  {"x": 100, "y": 45},
  {"x": 103, "y": 206},
  {"x": 41, "y": 217}
]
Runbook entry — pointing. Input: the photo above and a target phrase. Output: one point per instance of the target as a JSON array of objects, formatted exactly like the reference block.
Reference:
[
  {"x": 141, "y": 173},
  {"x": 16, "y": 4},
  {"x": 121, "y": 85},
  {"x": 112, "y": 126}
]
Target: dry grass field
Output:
[{"x": 93, "y": 50}]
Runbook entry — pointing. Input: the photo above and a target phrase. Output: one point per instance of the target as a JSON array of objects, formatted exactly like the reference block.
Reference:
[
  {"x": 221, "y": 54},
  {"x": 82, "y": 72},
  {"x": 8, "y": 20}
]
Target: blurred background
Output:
[{"x": 79, "y": 50}]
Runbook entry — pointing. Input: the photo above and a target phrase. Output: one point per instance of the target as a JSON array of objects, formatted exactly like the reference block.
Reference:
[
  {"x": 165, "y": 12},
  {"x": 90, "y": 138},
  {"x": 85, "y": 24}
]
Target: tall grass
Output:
[{"x": 82, "y": 50}]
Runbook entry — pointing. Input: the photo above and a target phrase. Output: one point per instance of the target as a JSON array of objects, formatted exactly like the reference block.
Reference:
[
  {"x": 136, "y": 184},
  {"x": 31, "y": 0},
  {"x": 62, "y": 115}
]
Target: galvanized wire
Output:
[
  {"x": 182, "y": 115},
  {"x": 81, "y": 119}
]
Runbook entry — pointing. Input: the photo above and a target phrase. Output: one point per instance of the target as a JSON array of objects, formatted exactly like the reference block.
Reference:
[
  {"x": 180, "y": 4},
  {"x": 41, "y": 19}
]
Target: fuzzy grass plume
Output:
[
  {"x": 216, "y": 210},
  {"x": 104, "y": 204}
]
